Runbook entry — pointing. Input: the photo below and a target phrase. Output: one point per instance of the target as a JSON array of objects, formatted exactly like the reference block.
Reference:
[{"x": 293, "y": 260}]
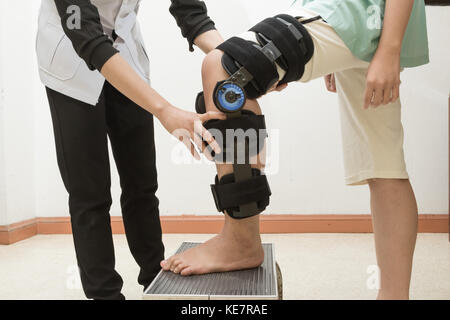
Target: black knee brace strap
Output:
[
  {"x": 241, "y": 199},
  {"x": 238, "y": 137},
  {"x": 248, "y": 127},
  {"x": 281, "y": 39}
]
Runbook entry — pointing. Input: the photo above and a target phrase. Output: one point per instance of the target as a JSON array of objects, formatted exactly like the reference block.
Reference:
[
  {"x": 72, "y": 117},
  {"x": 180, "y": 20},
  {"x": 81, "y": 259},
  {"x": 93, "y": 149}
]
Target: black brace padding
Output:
[
  {"x": 200, "y": 106},
  {"x": 290, "y": 38},
  {"x": 297, "y": 48},
  {"x": 247, "y": 121},
  {"x": 307, "y": 43},
  {"x": 230, "y": 195},
  {"x": 248, "y": 55}
]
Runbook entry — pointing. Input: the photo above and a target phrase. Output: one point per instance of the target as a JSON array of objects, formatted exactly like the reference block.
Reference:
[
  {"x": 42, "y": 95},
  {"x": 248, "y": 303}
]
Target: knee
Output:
[
  {"x": 211, "y": 64},
  {"x": 84, "y": 208},
  {"x": 212, "y": 73}
]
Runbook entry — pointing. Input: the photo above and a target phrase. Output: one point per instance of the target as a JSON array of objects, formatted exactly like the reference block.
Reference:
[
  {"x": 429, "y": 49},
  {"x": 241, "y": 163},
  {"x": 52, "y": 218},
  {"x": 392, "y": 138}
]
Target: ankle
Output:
[{"x": 240, "y": 236}]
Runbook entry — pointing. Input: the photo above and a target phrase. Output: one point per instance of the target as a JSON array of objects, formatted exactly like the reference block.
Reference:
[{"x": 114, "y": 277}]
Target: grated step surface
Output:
[{"x": 257, "y": 283}]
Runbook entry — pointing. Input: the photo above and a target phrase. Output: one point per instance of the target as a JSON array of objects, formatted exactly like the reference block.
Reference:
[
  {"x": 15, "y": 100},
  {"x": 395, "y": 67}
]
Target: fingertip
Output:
[
  {"x": 220, "y": 116},
  {"x": 207, "y": 136}
]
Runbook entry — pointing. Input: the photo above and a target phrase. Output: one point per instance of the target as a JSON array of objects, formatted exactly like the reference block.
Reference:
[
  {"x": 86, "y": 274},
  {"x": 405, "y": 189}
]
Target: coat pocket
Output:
[{"x": 55, "y": 52}]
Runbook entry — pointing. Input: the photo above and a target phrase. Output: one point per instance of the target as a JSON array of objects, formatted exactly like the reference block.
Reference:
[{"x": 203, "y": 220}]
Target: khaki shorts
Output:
[{"x": 373, "y": 138}]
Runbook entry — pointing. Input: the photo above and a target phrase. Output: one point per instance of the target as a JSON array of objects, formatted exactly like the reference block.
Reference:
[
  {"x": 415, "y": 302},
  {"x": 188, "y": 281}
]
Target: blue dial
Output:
[{"x": 231, "y": 97}]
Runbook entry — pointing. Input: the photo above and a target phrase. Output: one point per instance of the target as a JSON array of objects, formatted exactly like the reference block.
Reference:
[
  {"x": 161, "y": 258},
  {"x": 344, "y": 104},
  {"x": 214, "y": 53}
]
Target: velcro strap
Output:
[
  {"x": 245, "y": 122},
  {"x": 248, "y": 120},
  {"x": 254, "y": 60},
  {"x": 232, "y": 195},
  {"x": 287, "y": 43},
  {"x": 307, "y": 40}
]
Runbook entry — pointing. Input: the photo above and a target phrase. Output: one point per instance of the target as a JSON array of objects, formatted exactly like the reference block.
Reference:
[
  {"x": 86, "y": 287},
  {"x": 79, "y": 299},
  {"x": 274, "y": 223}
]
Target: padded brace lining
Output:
[
  {"x": 248, "y": 120},
  {"x": 229, "y": 195}
]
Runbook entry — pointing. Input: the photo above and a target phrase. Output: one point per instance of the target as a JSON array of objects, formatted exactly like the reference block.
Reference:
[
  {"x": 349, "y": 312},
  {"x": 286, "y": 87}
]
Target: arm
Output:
[
  {"x": 88, "y": 38},
  {"x": 195, "y": 24},
  {"x": 383, "y": 77},
  {"x": 184, "y": 125},
  {"x": 120, "y": 74},
  {"x": 96, "y": 49},
  {"x": 208, "y": 41}
]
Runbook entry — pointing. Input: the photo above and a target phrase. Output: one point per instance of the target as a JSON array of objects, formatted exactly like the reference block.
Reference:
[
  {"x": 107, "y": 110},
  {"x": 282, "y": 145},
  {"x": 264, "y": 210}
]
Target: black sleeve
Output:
[
  {"x": 89, "y": 40},
  {"x": 192, "y": 18}
]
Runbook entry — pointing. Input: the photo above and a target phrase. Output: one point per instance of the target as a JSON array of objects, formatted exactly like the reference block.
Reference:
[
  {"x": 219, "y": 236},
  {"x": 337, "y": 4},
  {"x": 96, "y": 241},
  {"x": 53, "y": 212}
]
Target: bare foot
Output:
[{"x": 219, "y": 254}]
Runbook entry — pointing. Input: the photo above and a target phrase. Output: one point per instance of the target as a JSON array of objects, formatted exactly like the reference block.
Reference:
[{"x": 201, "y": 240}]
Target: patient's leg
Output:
[{"x": 238, "y": 245}]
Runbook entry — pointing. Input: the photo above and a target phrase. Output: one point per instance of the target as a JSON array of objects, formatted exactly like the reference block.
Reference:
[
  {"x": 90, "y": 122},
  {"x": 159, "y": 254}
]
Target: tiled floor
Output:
[{"x": 314, "y": 266}]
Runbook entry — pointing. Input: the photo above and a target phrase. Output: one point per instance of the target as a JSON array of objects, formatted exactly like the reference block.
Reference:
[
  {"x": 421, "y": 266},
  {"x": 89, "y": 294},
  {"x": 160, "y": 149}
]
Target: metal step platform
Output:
[{"x": 262, "y": 283}]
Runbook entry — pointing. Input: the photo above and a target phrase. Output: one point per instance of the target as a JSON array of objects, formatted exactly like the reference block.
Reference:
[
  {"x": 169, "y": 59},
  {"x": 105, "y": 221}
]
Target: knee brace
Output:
[
  {"x": 252, "y": 66},
  {"x": 245, "y": 192}
]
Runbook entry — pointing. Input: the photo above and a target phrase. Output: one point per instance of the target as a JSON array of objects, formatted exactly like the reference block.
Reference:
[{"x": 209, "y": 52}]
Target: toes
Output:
[
  {"x": 190, "y": 270},
  {"x": 194, "y": 270},
  {"x": 167, "y": 264},
  {"x": 180, "y": 267},
  {"x": 187, "y": 271},
  {"x": 175, "y": 265}
]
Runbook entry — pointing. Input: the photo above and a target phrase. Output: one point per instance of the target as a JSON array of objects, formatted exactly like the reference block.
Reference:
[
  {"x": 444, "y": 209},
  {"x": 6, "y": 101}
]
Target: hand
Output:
[
  {"x": 330, "y": 82},
  {"x": 188, "y": 128},
  {"x": 383, "y": 79}
]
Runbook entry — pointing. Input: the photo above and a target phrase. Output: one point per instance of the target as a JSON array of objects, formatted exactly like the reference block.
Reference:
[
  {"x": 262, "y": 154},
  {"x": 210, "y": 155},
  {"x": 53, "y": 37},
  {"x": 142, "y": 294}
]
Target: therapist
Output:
[{"x": 95, "y": 69}]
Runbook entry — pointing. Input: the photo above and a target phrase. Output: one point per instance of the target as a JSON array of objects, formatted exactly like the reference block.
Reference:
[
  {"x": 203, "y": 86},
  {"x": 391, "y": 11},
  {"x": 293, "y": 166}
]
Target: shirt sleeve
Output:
[
  {"x": 192, "y": 18},
  {"x": 81, "y": 23}
]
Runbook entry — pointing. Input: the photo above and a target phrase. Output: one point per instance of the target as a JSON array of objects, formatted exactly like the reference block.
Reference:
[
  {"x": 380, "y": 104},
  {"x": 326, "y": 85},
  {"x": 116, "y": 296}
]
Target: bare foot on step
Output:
[{"x": 219, "y": 254}]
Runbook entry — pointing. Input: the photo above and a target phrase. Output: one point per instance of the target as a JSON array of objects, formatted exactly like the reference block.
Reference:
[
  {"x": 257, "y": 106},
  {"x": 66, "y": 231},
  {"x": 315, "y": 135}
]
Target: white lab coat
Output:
[{"x": 60, "y": 67}]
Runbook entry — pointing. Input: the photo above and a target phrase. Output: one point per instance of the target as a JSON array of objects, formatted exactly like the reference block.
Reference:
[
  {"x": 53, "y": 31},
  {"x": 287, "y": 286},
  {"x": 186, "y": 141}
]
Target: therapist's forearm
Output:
[
  {"x": 208, "y": 40},
  {"x": 120, "y": 75},
  {"x": 396, "y": 18}
]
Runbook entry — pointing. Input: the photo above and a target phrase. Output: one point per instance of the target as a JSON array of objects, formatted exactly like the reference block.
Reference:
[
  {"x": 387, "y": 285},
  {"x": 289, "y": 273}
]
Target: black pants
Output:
[{"x": 81, "y": 136}]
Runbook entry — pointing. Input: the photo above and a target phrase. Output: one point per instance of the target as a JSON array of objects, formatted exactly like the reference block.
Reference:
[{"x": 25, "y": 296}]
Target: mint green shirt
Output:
[{"x": 359, "y": 24}]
